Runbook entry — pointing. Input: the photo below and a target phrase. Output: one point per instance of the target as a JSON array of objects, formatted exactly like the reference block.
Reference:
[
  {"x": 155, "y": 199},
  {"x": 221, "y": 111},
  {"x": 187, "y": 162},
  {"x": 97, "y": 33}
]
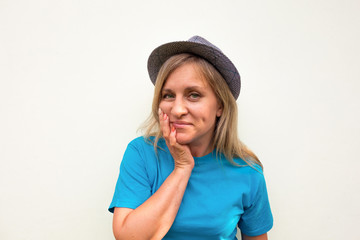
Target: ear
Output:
[{"x": 219, "y": 111}]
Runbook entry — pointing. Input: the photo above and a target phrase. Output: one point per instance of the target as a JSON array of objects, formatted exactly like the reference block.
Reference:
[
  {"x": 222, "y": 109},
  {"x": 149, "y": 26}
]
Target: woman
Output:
[{"x": 190, "y": 177}]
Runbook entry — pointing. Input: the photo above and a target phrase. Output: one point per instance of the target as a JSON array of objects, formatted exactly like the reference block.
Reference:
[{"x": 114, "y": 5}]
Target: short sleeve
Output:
[
  {"x": 133, "y": 186},
  {"x": 257, "y": 218}
]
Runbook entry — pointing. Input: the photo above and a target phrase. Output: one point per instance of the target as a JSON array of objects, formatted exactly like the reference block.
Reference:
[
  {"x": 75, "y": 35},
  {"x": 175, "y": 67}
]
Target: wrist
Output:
[{"x": 184, "y": 170}]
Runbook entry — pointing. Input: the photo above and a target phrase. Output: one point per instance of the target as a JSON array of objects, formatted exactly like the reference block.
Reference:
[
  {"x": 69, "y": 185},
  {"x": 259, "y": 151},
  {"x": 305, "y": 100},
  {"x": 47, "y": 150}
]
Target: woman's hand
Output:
[{"x": 181, "y": 153}]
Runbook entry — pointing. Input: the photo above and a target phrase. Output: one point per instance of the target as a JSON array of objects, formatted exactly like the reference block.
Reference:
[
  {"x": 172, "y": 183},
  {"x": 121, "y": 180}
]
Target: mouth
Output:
[{"x": 180, "y": 124}]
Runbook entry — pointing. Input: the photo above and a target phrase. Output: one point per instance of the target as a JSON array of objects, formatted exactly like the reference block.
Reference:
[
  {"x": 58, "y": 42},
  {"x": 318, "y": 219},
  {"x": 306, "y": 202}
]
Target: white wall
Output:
[{"x": 74, "y": 88}]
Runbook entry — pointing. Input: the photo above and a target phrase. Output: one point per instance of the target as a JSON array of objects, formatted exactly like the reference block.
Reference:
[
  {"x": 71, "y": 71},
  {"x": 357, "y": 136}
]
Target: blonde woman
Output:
[{"x": 190, "y": 177}]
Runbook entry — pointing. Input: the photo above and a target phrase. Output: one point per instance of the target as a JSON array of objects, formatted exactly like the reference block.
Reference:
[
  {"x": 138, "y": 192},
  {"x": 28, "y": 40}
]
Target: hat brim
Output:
[{"x": 214, "y": 56}]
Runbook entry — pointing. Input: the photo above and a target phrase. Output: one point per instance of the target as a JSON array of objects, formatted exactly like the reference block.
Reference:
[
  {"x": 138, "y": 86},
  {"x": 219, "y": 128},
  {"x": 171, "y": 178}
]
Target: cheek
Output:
[
  {"x": 208, "y": 116},
  {"x": 165, "y": 107}
]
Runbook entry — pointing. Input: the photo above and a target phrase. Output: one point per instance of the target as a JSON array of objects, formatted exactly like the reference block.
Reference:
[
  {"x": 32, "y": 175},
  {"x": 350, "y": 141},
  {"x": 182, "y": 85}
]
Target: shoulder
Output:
[
  {"x": 137, "y": 148},
  {"x": 249, "y": 168},
  {"x": 143, "y": 141},
  {"x": 141, "y": 144},
  {"x": 141, "y": 158},
  {"x": 144, "y": 146},
  {"x": 252, "y": 178},
  {"x": 139, "y": 154},
  {"x": 252, "y": 174},
  {"x": 139, "y": 141}
]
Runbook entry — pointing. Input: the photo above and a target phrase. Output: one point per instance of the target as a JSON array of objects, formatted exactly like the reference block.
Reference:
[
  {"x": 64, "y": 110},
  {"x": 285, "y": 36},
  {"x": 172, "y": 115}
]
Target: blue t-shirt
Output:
[{"x": 219, "y": 196}]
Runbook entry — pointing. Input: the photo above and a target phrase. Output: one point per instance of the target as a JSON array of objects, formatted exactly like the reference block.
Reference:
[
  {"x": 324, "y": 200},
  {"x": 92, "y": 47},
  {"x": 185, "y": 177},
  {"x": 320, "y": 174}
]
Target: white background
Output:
[{"x": 74, "y": 89}]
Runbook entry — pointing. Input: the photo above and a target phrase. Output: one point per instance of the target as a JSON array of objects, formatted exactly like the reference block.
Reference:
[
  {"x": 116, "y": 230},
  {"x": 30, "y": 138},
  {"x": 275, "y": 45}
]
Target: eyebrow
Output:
[{"x": 187, "y": 89}]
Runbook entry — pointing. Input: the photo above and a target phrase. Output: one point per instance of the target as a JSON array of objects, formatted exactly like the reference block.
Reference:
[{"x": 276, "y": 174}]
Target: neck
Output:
[{"x": 201, "y": 150}]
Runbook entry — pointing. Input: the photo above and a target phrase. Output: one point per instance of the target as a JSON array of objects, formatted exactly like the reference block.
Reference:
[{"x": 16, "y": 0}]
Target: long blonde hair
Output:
[{"x": 226, "y": 139}]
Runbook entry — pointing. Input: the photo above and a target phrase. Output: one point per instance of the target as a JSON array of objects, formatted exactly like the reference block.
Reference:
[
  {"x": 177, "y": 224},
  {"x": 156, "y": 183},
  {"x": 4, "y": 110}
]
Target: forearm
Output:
[
  {"x": 260, "y": 237},
  {"x": 154, "y": 217}
]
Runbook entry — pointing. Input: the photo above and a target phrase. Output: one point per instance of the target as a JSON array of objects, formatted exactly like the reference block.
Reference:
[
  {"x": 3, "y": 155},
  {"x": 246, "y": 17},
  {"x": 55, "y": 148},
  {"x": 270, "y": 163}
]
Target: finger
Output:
[
  {"x": 166, "y": 126},
  {"x": 164, "y": 123},
  {"x": 172, "y": 137}
]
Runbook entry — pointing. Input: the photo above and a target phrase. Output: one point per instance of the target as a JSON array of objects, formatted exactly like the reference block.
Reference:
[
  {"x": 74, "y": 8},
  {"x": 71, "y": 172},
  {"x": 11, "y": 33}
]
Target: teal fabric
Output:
[{"x": 219, "y": 196}]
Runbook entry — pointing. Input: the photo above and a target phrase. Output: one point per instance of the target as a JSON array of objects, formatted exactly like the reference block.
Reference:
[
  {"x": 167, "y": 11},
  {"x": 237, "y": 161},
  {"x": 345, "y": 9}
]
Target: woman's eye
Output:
[
  {"x": 167, "y": 96},
  {"x": 194, "y": 95}
]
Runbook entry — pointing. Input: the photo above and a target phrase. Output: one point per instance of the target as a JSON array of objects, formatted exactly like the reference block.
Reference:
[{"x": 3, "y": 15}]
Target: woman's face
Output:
[{"x": 191, "y": 105}]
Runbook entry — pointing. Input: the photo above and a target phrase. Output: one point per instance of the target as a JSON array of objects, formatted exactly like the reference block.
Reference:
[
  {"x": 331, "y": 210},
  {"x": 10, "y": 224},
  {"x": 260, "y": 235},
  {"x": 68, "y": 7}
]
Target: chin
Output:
[{"x": 183, "y": 140}]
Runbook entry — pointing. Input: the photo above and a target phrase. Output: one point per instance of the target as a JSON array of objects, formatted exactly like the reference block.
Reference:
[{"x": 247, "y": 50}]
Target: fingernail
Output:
[
  {"x": 173, "y": 129},
  {"x": 165, "y": 116}
]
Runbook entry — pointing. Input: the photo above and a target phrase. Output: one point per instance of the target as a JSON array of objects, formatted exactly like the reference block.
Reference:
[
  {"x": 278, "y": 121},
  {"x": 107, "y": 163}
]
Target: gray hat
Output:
[{"x": 200, "y": 47}]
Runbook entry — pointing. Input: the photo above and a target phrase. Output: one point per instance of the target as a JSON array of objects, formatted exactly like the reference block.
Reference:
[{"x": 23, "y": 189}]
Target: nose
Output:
[{"x": 179, "y": 108}]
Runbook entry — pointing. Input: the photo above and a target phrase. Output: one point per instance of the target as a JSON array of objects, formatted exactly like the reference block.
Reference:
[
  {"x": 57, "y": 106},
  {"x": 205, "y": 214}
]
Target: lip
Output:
[{"x": 180, "y": 124}]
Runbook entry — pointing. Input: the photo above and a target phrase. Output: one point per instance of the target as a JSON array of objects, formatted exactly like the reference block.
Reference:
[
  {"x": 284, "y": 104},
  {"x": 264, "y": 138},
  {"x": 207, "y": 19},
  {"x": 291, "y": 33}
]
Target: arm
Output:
[
  {"x": 260, "y": 237},
  {"x": 257, "y": 217},
  {"x": 153, "y": 218}
]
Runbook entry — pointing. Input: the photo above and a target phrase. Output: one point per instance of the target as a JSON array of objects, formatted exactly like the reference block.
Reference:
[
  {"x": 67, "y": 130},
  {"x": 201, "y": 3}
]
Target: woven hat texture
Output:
[{"x": 200, "y": 47}]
